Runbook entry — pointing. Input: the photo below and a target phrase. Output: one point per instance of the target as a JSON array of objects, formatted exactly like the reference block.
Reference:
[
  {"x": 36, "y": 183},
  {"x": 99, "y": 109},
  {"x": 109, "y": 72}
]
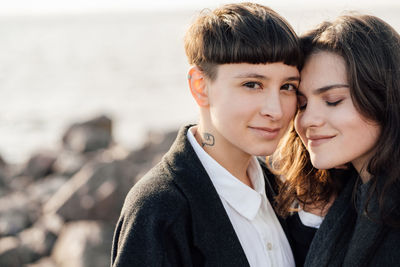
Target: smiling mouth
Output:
[
  {"x": 319, "y": 140},
  {"x": 265, "y": 132}
]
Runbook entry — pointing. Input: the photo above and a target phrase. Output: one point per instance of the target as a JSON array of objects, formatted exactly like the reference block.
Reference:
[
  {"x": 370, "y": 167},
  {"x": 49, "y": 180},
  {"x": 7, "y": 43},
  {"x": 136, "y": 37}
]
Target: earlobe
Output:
[{"x": 197, "y": 86}]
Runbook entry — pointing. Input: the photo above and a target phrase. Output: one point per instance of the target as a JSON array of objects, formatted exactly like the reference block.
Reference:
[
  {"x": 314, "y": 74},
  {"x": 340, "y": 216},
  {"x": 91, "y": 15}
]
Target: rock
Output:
[
  {"x": 98, "y": 190},
  {"x": 20, "y": 183},
  {"x": 156, "y": 145},
  {"x": 39, "y": 241},
  {"x": 43, "y": 262},
  {"x": 40, "y": 165},
  {"x": 69, "y": 162},
  {"x": 8, "y": 251},
  {"x": 51, "y": 222},
  {"x": 3, "y": 163},
  {"x": 95, "y": 193},
  {"x": 84, "y": 244},
  {"x": 88, "y": 136},
  {"x": 17, "y": 212},
  {"x": 13, "y": 254},
  {"x": 40, "y": 191},
  {"x": 13, "y": 221},
  {"x": 3, "y": 182}
]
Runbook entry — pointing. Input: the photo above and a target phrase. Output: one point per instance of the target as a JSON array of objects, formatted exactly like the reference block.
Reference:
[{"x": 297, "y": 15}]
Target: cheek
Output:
[
  {"x": 357, "y": 131},
  {"x": 289, "y": 106}
]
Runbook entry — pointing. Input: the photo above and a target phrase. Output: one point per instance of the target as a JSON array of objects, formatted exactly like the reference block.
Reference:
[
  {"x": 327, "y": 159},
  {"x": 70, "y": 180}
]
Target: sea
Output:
[{"x": 61, "y": 68}]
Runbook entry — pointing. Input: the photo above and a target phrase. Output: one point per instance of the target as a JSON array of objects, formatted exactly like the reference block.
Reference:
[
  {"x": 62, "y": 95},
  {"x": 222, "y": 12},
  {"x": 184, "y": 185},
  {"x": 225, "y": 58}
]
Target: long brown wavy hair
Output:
[{"x": 371, "y": 50}]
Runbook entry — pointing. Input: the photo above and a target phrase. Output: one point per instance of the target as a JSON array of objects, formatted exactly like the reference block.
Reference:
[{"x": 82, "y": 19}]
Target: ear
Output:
[{"x": 197, "y": 85}]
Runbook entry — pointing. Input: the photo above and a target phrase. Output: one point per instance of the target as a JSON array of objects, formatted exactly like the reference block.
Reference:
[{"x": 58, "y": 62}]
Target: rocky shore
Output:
[{"x": 60, "y": 207}]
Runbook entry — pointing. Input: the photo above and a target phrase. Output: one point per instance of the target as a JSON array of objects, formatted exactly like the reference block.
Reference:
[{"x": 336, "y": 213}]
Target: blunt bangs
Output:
[{"x": 241, "y": 33}]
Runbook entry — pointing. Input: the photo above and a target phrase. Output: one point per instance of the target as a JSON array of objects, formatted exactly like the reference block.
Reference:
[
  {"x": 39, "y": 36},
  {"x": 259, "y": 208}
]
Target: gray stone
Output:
[
  {"x": 3, "y": 163},
  {"x": 155, "y": 146},
  {"x": 20, "y": 182},
  {"x": 40, "y": 191},
  {"x": 17, "y": 212},
  {"x": 40, "y": 165},
  {"x": 84, "y": 244},
  {"x": 4, "y": 188},
  {"x": 13, "y": 253},
  {"x": 95, "y": 193},
  {"x": 38, "y": 240},
  {"x": 51, "y": 222},
  {"x": 43, "y": 262},
  {"x": 69, "y": 162},
  {"x": 88, "y": 136}
]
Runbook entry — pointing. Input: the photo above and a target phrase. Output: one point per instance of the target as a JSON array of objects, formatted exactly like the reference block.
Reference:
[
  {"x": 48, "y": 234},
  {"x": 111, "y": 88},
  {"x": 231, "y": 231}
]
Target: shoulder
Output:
[
  {"x": 154, "y": 210},
  {"x": 155, "y": 194},
  {"x": 155, "y": 200}
]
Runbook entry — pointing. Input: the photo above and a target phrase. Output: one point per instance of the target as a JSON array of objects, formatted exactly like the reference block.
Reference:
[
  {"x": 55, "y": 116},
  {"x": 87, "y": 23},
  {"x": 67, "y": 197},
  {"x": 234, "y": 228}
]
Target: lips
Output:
[
  {"x": 266, "y": 132},
  {"x": 316, "y": 140}
]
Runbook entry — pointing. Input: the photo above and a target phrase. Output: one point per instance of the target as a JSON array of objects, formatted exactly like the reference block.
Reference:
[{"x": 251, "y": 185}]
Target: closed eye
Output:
[{"x": 332, "y": 104}]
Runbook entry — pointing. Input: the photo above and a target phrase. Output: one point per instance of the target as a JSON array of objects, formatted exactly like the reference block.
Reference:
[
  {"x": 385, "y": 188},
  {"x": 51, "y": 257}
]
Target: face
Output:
[
  {"x": 327, "y": 122},
  {"x": 251, "y": 105}
]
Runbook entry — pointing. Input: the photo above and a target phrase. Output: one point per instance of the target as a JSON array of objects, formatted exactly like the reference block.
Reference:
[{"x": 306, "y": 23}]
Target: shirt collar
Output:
[{"x": 245, "y": 200}]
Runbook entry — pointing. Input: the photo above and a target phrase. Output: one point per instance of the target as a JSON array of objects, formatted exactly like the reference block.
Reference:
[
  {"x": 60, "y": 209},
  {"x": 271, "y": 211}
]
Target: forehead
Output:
[{"x": 323, "y": 69}]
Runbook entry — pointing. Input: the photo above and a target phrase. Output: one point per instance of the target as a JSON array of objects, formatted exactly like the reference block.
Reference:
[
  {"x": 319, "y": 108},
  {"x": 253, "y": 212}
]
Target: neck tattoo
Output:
[{"x": 209, "y": 140}]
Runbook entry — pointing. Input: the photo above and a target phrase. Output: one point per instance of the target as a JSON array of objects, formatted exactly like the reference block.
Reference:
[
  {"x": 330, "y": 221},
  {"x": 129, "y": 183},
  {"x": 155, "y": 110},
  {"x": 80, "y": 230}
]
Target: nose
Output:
[
  {"x": 311, "y": 116},
  {"x": 271, "y": 106}
]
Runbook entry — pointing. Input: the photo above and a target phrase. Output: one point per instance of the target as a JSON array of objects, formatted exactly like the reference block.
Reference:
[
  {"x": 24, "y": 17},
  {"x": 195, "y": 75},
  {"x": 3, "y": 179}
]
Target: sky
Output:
[{"x": 12, "y": 7}]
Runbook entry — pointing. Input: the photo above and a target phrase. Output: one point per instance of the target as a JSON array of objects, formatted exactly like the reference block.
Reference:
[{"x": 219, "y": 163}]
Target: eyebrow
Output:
[
  {"x": 329, "y": 87},
  {"x": 262, "y": 77}
]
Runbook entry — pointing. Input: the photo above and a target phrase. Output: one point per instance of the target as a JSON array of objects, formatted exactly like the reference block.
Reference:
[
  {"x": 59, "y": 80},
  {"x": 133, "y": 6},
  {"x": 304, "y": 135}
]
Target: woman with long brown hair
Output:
[{"x": 341, "y": 157}]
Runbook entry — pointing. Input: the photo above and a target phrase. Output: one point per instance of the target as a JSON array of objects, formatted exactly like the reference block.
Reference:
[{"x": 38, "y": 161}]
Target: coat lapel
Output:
[
  {"x": 271, "y": 188},
  {"x": 336, "y": 228},
  {"x": 213, "y": 232},
  {"x": 367, "y": 235}
]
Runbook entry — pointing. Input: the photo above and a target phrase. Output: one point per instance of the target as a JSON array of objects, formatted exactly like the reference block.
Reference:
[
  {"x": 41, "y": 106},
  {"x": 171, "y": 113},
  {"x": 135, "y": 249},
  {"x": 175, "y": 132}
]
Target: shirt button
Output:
[{"x": 269, "y": 246}]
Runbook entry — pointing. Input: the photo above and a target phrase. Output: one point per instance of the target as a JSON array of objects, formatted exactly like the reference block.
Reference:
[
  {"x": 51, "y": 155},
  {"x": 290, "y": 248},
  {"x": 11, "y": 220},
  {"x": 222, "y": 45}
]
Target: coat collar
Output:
[
  {"x": 332, "y": 230},
  {"x": 213, "y": 232},
  {"x": 245, "y": 200},
  {"x": 346, "y": 238}
]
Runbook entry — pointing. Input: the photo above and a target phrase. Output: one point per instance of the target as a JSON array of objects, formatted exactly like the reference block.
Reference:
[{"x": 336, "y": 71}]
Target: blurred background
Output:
[
  {"x": 91, "y": 94},
  {"x": 62, "y": 61}
]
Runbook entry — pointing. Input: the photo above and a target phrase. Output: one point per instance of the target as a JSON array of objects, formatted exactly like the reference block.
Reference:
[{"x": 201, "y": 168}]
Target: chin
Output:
[
  {"x": 264, "y": 152},
  {"x": 324, "y": 165}
]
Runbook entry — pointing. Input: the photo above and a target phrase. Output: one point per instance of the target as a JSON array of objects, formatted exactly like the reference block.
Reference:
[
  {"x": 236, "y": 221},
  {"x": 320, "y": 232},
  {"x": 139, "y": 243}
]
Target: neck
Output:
[{"x": 226, "y": 154}]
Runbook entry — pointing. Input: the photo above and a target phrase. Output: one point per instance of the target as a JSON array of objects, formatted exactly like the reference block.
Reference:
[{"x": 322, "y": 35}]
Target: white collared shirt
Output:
[
  {"x": 255, "y": 223},
  {"x": 309, "y": 219}
]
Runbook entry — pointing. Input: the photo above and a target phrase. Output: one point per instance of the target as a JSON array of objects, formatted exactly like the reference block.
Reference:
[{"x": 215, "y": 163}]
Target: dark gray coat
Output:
[
  {"x": 347, "y": 237},
  {"x": 174, "y": 217}
]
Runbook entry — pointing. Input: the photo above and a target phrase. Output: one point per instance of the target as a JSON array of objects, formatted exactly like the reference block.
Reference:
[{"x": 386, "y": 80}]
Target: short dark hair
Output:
[
  {"x": 240, "y": 33},
  {"x": 371, "y": 50}
]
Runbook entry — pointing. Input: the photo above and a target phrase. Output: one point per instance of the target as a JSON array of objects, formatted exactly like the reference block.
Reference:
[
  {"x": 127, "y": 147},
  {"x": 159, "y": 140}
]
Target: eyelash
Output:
[
  {"x": 290, "y": 84},
  {"x": 331, "y": 104},
  {"x": 252, "y": 85}
]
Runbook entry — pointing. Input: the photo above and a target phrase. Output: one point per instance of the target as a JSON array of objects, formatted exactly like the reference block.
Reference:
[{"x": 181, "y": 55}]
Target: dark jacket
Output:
[
  {"x": 174, "y": 217},
  {"x": 347, "y": 237}
]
